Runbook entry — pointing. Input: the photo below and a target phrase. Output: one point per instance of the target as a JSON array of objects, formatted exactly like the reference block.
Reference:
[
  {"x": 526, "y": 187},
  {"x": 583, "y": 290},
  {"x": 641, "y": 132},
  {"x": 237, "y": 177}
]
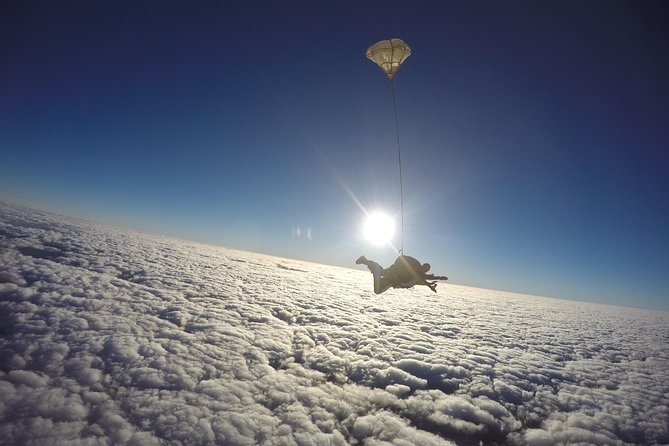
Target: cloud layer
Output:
[{"x": 112, "y": 336}]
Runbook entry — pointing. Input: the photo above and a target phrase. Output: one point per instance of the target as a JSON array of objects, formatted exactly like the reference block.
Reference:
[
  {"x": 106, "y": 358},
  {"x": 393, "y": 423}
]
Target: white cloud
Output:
[{"x": 111, "y": 336}]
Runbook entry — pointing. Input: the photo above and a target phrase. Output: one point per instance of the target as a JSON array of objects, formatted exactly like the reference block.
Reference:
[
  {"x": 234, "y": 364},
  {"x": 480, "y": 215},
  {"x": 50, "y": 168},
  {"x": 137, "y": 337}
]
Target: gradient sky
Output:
[{"x": 534, "y": 134}]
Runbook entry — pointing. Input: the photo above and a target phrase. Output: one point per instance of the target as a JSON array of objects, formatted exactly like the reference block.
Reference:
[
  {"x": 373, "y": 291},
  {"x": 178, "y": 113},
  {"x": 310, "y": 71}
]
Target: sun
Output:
[{"x": 378, "y": 228}]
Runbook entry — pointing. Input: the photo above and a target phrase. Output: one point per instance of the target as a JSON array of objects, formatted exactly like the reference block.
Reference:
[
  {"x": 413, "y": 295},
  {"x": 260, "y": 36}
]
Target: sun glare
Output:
[{"x": 378, "y": 228}]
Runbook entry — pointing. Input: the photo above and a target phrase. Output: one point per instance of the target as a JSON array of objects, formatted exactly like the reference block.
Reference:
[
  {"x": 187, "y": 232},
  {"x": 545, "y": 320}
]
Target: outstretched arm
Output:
[{"x": 432, "y": 285}]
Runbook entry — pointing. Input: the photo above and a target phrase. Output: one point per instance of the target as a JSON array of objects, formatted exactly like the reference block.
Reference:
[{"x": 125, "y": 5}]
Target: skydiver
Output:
[{"x": 406, "y": 272}]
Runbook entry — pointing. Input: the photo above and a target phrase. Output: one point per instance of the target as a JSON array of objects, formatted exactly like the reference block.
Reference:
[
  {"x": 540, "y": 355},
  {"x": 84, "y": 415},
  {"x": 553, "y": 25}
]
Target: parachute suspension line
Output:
[
  {"x": 399, "y": 162},
  {"x": 389, "y": 55}
]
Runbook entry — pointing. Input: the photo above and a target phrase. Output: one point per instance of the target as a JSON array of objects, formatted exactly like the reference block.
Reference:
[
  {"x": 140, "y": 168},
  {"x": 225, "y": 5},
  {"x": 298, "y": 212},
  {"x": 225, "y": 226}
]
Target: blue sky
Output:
[{"x": 534, "y": 134}]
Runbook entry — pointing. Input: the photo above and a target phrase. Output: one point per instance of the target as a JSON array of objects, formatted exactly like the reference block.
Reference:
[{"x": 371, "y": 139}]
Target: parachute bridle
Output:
[{"x": 389, "y": 55}]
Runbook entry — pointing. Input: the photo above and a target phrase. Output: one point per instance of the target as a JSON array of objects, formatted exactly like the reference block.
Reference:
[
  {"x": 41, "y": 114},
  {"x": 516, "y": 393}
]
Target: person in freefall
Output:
[{"x": 404, "y": 273}]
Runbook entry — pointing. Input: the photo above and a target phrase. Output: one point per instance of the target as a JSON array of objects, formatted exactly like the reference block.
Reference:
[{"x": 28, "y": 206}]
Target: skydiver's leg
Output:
[{"x": 381, "y": 283}]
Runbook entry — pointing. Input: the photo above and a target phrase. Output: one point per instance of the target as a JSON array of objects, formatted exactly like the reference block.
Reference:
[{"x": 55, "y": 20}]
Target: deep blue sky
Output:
[{"x": 534, "y": 134}]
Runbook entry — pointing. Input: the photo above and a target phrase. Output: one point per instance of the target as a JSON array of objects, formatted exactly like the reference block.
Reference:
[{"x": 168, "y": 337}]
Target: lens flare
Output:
[{"x": 378, "y": 228}]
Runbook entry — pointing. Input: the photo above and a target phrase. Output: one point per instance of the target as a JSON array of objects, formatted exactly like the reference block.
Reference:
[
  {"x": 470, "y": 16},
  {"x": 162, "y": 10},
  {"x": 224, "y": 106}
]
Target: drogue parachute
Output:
[
  {"x": 389, "y": 55},
  {"x": 406, "y": 272}
]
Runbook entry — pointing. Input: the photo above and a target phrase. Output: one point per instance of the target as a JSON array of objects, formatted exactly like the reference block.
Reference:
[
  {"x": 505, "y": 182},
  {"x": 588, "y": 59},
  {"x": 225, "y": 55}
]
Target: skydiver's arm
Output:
[
  {"x": 431, "y": 285},
  {"x": 433, "y": 277}
]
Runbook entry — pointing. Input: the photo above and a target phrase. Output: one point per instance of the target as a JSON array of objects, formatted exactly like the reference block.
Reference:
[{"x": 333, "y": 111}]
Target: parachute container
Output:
[{"x": 389, "y": 55}]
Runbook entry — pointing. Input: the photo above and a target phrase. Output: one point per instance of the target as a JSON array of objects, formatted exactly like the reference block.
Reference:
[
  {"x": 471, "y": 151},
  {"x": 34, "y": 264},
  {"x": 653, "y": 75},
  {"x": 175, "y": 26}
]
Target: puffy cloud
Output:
[{"x": 112, "y": 336}]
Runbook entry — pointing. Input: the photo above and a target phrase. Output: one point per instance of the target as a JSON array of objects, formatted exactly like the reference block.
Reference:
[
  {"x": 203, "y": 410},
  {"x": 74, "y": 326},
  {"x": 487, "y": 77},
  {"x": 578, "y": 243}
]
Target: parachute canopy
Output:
[{"x": 389, "y": 55}]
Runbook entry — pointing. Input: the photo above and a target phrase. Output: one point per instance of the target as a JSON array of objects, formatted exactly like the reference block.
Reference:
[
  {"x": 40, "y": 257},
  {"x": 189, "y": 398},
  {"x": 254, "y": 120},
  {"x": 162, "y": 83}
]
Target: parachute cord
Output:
[{"x": 399, "y": 162}]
